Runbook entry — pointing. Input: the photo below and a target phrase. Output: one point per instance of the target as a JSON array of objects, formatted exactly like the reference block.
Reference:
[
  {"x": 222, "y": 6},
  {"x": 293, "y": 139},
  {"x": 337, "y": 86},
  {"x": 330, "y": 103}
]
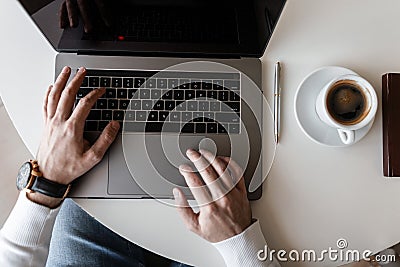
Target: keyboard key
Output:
[
  {"x": 154, "y": 127},
  {"x": 147, "y": 104},
  {"x": 195, "y": 85},
  {"x": 112, "y": 103},
  {"x": 221, "y": 129},
  {"x": 172, "y": 83},
  {"x": 82, "y": 92},
  {"x": 234, "y": 96},
  {"x": 175, "y": 116},
  {"x": 184, "y": 83},
  {"x": 106, "y": 115},
  {"x": 116, "y": 82},
  {"x": 167, "y": 95},
  {"x": 227, "y": 117},
  {"x": 215, "y": 106},
  {"x": 191, "y": 105},
  {"x": 132, "y": 93},
  {"x": 201, "y": 94},
  {"x": 200, "y": 127},
  {"x": 198, "y": 116},
  {"x": 136, "y": 105},
  {"x": 101, "y": 104},
  {"x": 134, "y": 126},
  {"x": 118, "y": 115},
  {"x": 102, "y": 125},
  {"x": 123, "y": 104},
  {"x": 204, "y": 106},
  {"x": 151, "y": 83},
  {"x": 128, "y": 82},
  {"x": 186, "y": 116},
  {"x": 179, "y": 94},
  {"x": 209, "y": 116},
  {"x": 91, "y": 126},
  {"x": 94, "y": 82},
  {"x": 171, "y": 127},
  {"x": 144, "y": 93},
  {"x": 206, "y": 84},
  {"x": 232, "y": 84},
  {"x": 169, "y": 105},
  {"x": 141, "y": 115},
  {"x": 218, "y": 84},
  {"x": 155, "y": 94},
  {"x": 189, "y": 94},
  {"x": 85, "y": 82},
  {"x": 159, "y": 105},
  {"x": 163, "y": 115},
  {"x": 111, "y": 93},
  {"x": 235, "y": 106},
  {"x": 153, "y": 116},
  {"x": 139, "y": 82},
  {"x": 188, "y": 128},
  {"x": 130, "y": 116},
  {"x": 162, "y": 83},
  {"x": 212, "y": 127},
  {"x": 180, "y": 106},
  {"x": 212, "y": 94},
  {"x": 105, "y": 82},
  {"x": 223, "y": 95},
  {"x": 234, "y": 128},
  {"x": 122, "y": 93},
  {"x": 94, "y": 115}
]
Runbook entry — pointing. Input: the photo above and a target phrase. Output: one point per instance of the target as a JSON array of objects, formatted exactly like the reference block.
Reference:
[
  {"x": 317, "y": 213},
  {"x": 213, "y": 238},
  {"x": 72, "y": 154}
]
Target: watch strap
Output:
[{"x": 49, "y": 188}]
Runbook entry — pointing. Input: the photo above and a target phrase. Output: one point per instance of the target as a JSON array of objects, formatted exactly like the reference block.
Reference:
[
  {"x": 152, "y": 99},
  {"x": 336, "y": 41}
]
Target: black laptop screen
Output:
[{"x": 157, "y": 27}]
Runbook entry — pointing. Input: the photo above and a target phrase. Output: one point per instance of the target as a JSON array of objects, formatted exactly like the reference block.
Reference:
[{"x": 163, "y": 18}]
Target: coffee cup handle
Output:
[{"x": 347, "y": 136}]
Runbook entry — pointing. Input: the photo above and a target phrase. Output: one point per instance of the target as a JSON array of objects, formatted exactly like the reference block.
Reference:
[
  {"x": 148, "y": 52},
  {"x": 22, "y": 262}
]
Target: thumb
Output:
[
  {"x": 99, "y": 148},
  {"x": 190, "y": 219}
]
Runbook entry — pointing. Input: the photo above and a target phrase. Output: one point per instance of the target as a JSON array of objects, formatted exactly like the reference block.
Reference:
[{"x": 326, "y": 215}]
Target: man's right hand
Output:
[{"x": 230, "y": 213}]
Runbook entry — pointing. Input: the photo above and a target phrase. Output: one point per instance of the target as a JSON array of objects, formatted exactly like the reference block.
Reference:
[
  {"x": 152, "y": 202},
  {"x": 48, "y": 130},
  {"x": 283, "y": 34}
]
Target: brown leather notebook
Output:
[{"x": 391, "y": 124}]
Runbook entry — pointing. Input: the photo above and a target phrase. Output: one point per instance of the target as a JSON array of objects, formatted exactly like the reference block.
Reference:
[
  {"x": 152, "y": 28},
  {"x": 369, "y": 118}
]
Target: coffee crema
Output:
[{"x": 347, "y": 103}]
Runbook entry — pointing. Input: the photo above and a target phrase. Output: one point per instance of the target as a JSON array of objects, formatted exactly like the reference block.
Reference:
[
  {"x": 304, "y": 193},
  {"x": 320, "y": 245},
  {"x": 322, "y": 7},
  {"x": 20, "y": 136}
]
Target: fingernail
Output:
[
  {"x": 81, "y": 70},
  {"x": 192, "y": 153},
  {"x": 115, "y": 125},
  {"x": 66, "y": 69},
  {"x": 185, "y": 168},
  {"x": 176, "y": 193}
]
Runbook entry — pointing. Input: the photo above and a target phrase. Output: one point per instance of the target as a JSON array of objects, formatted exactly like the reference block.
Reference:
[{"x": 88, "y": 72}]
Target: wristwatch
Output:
[{"x": 31, "y": 179}]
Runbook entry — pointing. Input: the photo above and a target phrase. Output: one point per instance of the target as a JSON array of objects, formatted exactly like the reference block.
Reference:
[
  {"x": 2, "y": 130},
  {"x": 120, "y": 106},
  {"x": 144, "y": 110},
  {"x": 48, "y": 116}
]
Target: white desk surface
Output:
[{"x": 314, "y": 194}]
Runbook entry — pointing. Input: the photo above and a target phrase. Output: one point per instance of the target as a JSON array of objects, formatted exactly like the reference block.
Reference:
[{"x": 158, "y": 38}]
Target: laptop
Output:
[{"x": 176, "y": 74}]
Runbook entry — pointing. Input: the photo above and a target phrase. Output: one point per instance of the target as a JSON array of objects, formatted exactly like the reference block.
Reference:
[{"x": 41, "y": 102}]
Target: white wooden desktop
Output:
[{"x": 314, "y": 195}]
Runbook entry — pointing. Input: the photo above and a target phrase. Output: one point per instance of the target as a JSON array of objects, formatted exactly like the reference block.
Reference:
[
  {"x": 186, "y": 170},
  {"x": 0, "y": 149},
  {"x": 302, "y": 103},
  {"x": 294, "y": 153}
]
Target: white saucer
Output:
[{"x": 307, "y": 117}]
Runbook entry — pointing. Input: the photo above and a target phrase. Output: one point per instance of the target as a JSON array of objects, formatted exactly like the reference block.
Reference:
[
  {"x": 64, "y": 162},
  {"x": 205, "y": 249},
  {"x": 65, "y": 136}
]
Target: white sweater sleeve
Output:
[
  {"x": 25, "y": 236},
  {"x": 244, "y": 248}
]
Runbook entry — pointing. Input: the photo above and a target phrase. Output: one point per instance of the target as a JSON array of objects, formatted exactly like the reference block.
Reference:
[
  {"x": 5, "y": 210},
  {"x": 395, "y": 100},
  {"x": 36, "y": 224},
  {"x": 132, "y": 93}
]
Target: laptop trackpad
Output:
[{"x": 148, "y": 164}]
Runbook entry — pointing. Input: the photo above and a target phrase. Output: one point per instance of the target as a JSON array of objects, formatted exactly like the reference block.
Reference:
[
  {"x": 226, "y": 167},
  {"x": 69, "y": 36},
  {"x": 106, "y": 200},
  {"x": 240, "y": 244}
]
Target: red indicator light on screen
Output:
[{"x": 121, "y": 38}]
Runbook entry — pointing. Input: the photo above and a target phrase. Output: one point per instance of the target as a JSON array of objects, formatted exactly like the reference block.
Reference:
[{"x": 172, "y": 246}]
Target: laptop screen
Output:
[{"x": 218, "y": 28}]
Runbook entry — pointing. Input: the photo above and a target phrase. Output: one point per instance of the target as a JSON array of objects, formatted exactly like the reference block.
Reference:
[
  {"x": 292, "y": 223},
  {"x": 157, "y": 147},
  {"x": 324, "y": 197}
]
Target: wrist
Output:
[{"x": 38, "y": 198}]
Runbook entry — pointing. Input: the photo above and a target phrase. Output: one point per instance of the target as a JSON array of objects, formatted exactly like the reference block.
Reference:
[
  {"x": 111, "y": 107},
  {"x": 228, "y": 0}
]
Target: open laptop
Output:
[{"x": 160, "y": 62}]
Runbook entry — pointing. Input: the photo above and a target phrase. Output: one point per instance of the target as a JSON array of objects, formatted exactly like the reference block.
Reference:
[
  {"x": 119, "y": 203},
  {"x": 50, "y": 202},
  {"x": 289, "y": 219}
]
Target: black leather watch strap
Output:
[{"x": 49, "y": 188}]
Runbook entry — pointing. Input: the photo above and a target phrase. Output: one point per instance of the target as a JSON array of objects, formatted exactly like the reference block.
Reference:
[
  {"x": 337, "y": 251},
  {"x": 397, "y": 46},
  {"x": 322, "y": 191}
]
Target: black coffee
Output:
[{"x": 346, "y": 103}]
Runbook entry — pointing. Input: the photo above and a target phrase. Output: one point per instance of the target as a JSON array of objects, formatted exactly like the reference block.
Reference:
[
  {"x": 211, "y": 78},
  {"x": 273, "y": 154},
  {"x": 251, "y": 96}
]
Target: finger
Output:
[
  {"x": 84, "y": 106},
  {"x": 73, "y": 15},
  {"x": 220, "y": 167},
  {"x": 190, "y": 219},
  {"x": 196, "y": 186},
  {"x": 55, "y": 93},
  {"x": 45, "y": 102},
  {"x": 67, "y": 98},
  {"x": 99, "y": 148},
  {"x": 207, "y": 172},
  {"x": 63, "y": 13},
  {"x": 85, "y": 12},
  {"x": 103, "y": 12},
  {"x": 238, "y": 177}
]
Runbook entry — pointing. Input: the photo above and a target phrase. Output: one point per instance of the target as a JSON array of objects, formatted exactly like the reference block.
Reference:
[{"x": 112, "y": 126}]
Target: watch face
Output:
[{"x": 23, "y": 175}]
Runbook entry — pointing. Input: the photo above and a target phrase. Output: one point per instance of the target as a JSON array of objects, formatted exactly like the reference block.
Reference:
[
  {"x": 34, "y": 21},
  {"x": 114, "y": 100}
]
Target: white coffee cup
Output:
[{"x": 347, "y": 103}]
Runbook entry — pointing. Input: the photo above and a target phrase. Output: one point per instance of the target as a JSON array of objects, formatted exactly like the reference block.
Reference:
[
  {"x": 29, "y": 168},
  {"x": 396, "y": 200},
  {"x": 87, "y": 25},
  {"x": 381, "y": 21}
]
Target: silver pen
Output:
[{"x": 277, "y": 101}]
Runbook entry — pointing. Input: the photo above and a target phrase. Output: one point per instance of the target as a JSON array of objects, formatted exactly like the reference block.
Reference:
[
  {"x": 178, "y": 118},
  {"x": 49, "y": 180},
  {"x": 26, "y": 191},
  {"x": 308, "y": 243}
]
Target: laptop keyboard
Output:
[{"x": 187, "y": 102}]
